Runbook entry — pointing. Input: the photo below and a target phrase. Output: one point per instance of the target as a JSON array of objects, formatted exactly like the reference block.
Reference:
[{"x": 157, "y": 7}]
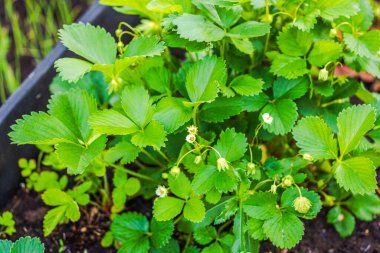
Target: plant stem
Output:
[
  {"x": 152, "y": 158},
  {"x": 131, "y": 172}
]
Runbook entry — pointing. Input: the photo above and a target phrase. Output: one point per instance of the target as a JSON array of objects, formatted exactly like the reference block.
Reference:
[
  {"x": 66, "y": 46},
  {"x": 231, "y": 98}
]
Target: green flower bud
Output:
[
  {"x": 120, "y": 44},
  {"x": 333, "y": 32},
  {"x": 323, "y": 75},
  {"x": 118, "y": 32},
  {"x": 165, "y": 175},
  {"x": 329, "y": 200},
  {"x": 222, "y": 164},
  {"x": 251, "y": 168},
  {"x": 198, "y": 159},
  {"x": 175, "y": 171},
  {"x": 287, "y": 181},
  {"x": 302, "y": 204},
  {"x": 273, "y": 189}
]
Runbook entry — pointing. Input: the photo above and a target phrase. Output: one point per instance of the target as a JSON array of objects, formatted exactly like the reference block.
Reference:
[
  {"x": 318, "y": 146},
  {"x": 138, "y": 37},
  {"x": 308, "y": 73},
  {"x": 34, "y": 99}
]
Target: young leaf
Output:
[
  {"x": 194, "y": 210},
  {"x": 204, "y": 179},
  {"x": 249, "y": 29},
  {"x": 294, "y": 42},
  {"x": 231, "y": 145},
  {"x": 293, "y": 89},
  {"x": 153, "y": 135},
  {"x": 71, "y": 69},
  {"x": 123, "y": 150},
  {"x": 342, "y": 220},
  {"x": 332, "y": 10},
  {"x": 246, "y": 85},
  {"x": 315, "y": 138},
  {"x": 161, "y": 232},
  {"x": 365, "y": 207},
  {"x": 92, "y": 43},
  {"x": 167, "y": 208},
  {"x": 111, "y": 122},
  {"x": 288, "y": 66},
  {"x": 180, "y": 185},
  {"x": 204, "y": 78},
  {"x": 357, "y": 175},
  {"x": 366, "y": 45},
  {"x": 325, "y": 51},
  {"x": 353, "y": 123},
  {"x": 284, "y": 113},
  {"x": 261, "y": 205},
  {"x": 147, "y": 46},
  {"x": 197, "y": 28}
]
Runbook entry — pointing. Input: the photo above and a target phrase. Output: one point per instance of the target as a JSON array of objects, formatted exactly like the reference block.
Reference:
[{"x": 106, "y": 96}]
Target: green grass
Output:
[{"x": 33, "y": 35}]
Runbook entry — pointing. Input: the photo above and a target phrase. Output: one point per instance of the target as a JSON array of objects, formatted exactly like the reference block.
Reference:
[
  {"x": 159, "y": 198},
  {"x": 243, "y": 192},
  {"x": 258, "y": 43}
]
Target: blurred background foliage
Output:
[{"x": 28, "y": 32}]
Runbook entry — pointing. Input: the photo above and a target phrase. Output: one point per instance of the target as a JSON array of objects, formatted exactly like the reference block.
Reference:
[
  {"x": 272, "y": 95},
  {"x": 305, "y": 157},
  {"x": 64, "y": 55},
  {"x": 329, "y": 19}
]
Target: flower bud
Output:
[
  {"x": 308, "y": 157},
  {"x": 323, "y": 75},
  {"x": 120, "y": 44},
  {"x": 118, "y": 32},
  {"x": 329, "y": 200},
  {"x": 333, "y": 32},
  {"x": 175, "y": 171},
  {"x": 287, "y": 181},
  {"x": 198, "y": 159},
  {"x": 273, "y": 189},
  {"x": 302, "y": 204},
  {"x": 165, "y": 175},
  {"x": 161, "y": 191},
  {"x": 251, "y": 168},
  {"x": 192, "y": 130},
  {"x": 222, "y": 164}
]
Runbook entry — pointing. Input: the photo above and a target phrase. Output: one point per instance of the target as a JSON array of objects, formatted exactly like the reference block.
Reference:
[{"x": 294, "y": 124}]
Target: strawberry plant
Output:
[{"x": 226, "y": 116}]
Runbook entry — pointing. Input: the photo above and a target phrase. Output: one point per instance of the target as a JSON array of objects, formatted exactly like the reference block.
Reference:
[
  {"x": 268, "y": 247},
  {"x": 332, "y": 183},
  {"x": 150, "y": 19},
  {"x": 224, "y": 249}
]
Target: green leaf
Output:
[
  {"x": 231, "y": 145},
  {"x": 5, "y": 246},
  {"x": 123, "y": 150},
  {"x": 180, "y": 185},
  {"x": 325, "y": 51},
  {"x": 222, "y": 108},
  {"x": 172, "y": 113},
  {"x": 158, "y": 79},
  {"x": 111, "y": 122},
  {"x": 204, "y": 179},
  {"x": 284, "y": 113},
  {"x": 225, "y": 181},
  {"x": 197, "y": 28},
  {"x": 90, "y": 42},
  {"x": 213, "y": 248},
  {"x": 27, "y": 244},
  {"x": 294, "y": 42},
  {"x": 40, "y": 128},
  {"x": 246, "y": 85},
  {"x": 77, "y": 157},
  {"x": 244, "y": 45},
  {"x": 255, "y": 229},
  {"x": 332, "y": 10},
  {"x": 161, "y": 232},
  {"x": 249, "y": 29},
  {"x": 167, "y": 208},
  {"x": 289, "y": 196},
  {"x": 71, "y": 69},
  {"x": 284, "y": 229},
  {"x": 204, "y": 78},
  {"x": 205, "y": 235},
  {"x": 52, "y": 218},
  {"x": 288, "y": 66},
  {"x": 153, "y": 135},
  {"x": 315, "y": 138},
  {"x": 194, "y": 210},
  {"x": 261, "y": 205},
  {"x": 353, "y": 123},
  {"x": 366, "y": 45},
  {"x": 342, "y": 220},
  {"x": 147, "y": 46},
  {"x": 357, "y": 175},
  {"x": 293, "y": 89},
  {"x": 365, "y": 207}
]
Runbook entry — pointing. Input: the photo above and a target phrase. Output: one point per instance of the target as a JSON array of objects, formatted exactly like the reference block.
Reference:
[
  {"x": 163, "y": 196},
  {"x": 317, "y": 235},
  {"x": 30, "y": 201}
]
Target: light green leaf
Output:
[
  {"x": 315, "y": 138},
  {"x": 52, "y": 218},
  {"x": 222, "y": 108},
  {"x": 153, "y": 135},
  {"x": 366, "y": 45},
  {"x": 255, "y": 229},
  {"x": 284, "y": 229},
  {"x": 288, "y": 66},
  {"x": 90, "y": 42},
  {"x": 231, "y": 145},
  {"x": 261, "y": 205},
  {"x": 249, "y": 29},
  {"x": 332, "y": 10},
  {"x": 244, "y": 45},
  {"x": 161, "y": 232},
  {"x": 147, "y": 46},
  {"x": 246, "y": 85},
  {"x": 111, "y": 122},
  {"x": 180, "y": 185},
  {"x": 204, "y": 179},
  {"x": 225, "y": 181},
  {"x": 353, "y": 123},
  {"x": 123, "y": 150},
  {"x": 71, "y": 69},
  {"x": 357, "y": 175},
  {"x": 284, "y": 114},
  {"x": 158, "y": 79},
  {"x": 197, "y": 28},
  {"x": 365, "y": 207},
  {"x": 343, "y": 221},
  {"x": 194, "y": 210},
  {"x": 204, "y": 78},
  {"x": 325, "y": 51},
  {"x": 27, "y": 244},
  {"x": 205, "y": 235},
  {"x": 293, "y": 89},
  {"x": 167, "y": 208},
  {"x": 289, "y": 196},
  {"x": 294, "y": 42},
  {"x": 172, "y": 113}
]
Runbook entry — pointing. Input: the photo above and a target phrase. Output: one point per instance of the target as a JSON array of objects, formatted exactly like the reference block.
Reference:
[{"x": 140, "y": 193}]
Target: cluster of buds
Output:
[
  {"x": 192, "y": 134},
  {"x": 287, "y": 181},
  {"x": 267, "y": 118},
  {"x": 162, "y": 191},
  {"x": 302, "y": 204}
]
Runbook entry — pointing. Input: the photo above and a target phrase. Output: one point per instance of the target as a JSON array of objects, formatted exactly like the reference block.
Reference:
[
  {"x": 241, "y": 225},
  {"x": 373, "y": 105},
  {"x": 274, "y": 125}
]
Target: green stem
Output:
[
  {"x": 163, "y": 155},
  {"x": 152, "y": 158},
  {"x": 132, "y": 173}
]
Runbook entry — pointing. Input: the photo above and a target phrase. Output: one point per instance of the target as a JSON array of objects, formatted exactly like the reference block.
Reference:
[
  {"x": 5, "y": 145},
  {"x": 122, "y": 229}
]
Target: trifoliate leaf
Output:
[
  {"x": 288, "y": 66},
  {"x": 357, "y": 175},
  {"x": 255, "y": 103},
  {"x": 293, "y": 89},
  {"x": 284, "y": 229},
  {"x": 353, "y": 123},
  {"x": 225, "y": 181},
  {"x": 366, "y": 45},
  {"x": 284, "y": 114},
  {"x": 289, "y": 196},
  {"x": 194, "y": 210},
  {"x": 365, "y": 207},
  {"x": 249, "y": 29},
  {"x": 153, "y": 135},
  {"x": 197, "y": 28},
  {"x": 315, "y": 138},
  {"x": 77, "y": 157},
  {"x": 40, "y": 128},
  {"x": 111, "y": 122},
  {"x": 294, "y": 42},
  {"x": 261, "y": 205},
  {"x": 71, "y": 69},
  {"x": 222, "y": 108},
  {"x": 92, "y": 43},
  {"x": 204, "y": 179},
  {"x": 124, "y": 151},
  {"x": 161, "y": 232},
  {"x": 172, "y": 113},
  {"x": 246, "y": 85},
  {"x": 167, "y": 208},
  {"x": 255, "y": 229},
  {"x": 332, "y": 10},
  {"x": 147, "y": 46},
  {"x": 204, "y": 78},
  {"x": 180, "y": 185},
  {"x": 205, "y": 235},
  {"x": 325, "y": 51},
  {"x": 27, "y": 244},
  {"x": 231, "y": 145},
  {"x": 342, "y": 220}
]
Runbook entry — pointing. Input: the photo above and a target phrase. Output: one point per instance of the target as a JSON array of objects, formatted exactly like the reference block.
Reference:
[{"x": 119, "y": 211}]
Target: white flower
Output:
[
  {"x": 323, "y": 75},
  {"x": 307, "y": 156},
  {"x": 267, "y": 118},
  {"x": 175, "y": 171},
  {"x": 222, "y": 164},
  {"x": 192, "y": 130},
  {"x": 198, "y": 159},
  {"x": 161, "y": 191},
  {"x": 191, "y": 138}
]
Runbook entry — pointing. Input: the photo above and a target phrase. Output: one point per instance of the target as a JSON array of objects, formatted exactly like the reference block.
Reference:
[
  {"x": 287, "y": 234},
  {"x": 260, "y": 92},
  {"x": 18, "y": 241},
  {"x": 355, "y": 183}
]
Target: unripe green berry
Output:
[
  {"x": 287, "y": 181},
  {"x": 165, "y": 175},
  {"x": 120, "y": 44},
  {"x": 302, "y": 204},
  {"x": 118, "y": 32}
]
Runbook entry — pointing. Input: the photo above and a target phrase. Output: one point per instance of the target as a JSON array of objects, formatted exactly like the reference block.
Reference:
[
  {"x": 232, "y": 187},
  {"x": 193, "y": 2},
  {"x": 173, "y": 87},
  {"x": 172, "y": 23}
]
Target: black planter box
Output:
[{"x": 33, "y": 95}]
